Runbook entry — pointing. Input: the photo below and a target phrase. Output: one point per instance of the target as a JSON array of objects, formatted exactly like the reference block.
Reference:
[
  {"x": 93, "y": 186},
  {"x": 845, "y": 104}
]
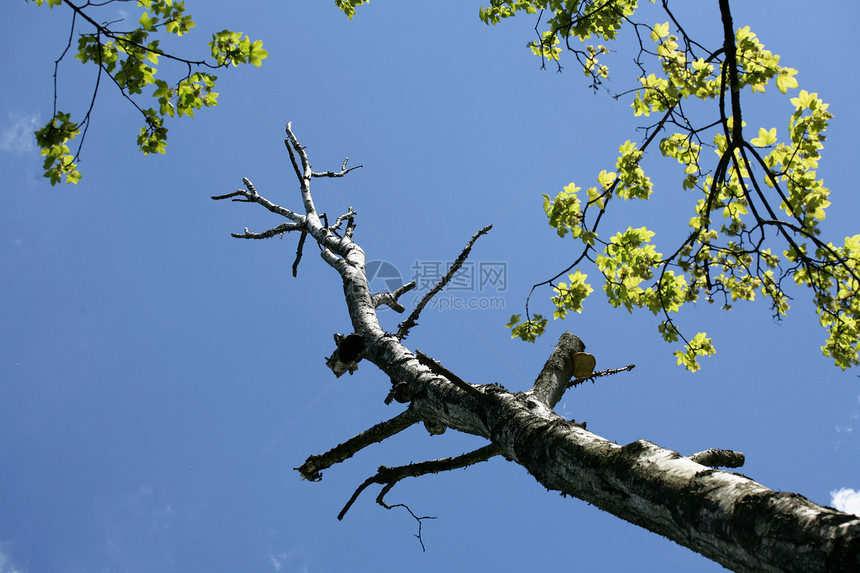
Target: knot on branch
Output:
[
  {"x": 399, "y": 393},
  {"x": 435, "y": 427},
  {"x": 348, "y": 353}
]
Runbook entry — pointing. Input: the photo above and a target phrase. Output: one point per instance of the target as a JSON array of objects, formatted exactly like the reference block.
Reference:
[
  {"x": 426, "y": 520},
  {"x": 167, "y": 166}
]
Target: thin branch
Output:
[
  {"x": 251, "y": 196},
  {"x": 390, "y": 476},
  {"x": 279, "y": 230},
  {"x": 348, "y": 216},
  {"x": 601, "y": 373},
  {"x": 310, "y": 470},
  {"x": 304, "y": 173},
  {"x": 340, "y": 173},
  {"x": 121, "y": 40},
  {"x": 301, "y": 244},
  {"x": 403, "y": 327},
  {"x": 420, "y": 520}
]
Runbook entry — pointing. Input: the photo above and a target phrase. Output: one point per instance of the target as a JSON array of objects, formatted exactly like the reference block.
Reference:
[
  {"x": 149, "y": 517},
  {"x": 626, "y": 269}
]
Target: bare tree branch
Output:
[
  {"x": 390, "y": 476},
  {"x": 252, "y": 196},
  {"x": 310, "y": 470},
  {"x": 406, "y": 325},
  {"x": 607, "y": 372},
  {"x": 390, "y": 299},
  {"x": 299, "y": 247},
  {"x": 279, "y": 230}
]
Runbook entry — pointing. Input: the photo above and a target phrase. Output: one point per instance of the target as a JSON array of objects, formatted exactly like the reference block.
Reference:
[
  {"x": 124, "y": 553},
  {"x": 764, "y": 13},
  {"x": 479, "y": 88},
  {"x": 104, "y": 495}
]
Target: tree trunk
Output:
[{"x": 725, "y": 516}]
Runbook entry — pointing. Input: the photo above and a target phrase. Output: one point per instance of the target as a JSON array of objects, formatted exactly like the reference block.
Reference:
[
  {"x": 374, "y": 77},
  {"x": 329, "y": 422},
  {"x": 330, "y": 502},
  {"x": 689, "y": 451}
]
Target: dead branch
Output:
[
  {"x": 607, "y": 372},
  {"x": 299, "y": 247},
  {"x": 251, "y": 196},
  {"x": 403, "y": 327},
  {"x": 381, "y": 502},
  {"x": 340, "y": 173},
  {"x": 279, "y": 230},
  {"x": 310, "y": 470},
  {"x": 390, "y": 476},
  {"x": 348, "y": 216}
]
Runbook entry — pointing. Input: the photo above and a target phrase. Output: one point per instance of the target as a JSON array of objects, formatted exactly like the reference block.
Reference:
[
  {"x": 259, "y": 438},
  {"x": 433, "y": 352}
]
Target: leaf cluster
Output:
[
  {"x": 757, "y": 220},
  {"x": 130, "y": 59}
]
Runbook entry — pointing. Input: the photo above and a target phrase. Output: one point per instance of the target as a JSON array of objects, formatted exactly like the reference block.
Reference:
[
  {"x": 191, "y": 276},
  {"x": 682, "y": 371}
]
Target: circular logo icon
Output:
[{"x": 382, "y": 276}]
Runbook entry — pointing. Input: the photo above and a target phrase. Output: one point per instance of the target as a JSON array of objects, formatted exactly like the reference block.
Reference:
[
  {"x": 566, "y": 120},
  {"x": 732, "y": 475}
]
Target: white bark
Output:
[{"x": 726, "y": 517}]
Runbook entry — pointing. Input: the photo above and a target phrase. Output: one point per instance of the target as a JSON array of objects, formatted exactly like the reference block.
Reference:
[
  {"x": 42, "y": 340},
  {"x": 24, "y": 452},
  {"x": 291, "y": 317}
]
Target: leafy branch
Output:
[
  {"x": 129, "y": 58},
  {"x": 755, "y": 227}
]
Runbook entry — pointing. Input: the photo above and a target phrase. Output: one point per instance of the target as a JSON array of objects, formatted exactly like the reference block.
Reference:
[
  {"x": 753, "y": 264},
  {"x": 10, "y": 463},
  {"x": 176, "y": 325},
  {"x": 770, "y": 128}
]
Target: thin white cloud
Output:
[
  {"x": 846, "y": 499},
  {"x": 166, "y": 510},
  {"x": 6, "y": 566},
  {"x": 285, "y": 559},
  {"x": 16, "y": 135},
  {"x": 277, "y": 560}
]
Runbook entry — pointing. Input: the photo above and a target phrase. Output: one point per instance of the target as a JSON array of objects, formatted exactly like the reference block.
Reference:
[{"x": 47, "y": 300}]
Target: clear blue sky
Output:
[{"x": 159, "y": 381}]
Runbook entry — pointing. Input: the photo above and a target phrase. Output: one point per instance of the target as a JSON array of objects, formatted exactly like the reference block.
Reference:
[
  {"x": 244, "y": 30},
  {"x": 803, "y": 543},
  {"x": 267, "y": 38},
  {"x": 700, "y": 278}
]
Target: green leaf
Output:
[
  {"x": 786, "y": 79},
  {"x": 348, "y": 6},
  {"x": 660, "y": 31},
  {"x": 148, "y": 22},
  {"x": 765, "y": 137},
  {"x": 256, "y": 53}
]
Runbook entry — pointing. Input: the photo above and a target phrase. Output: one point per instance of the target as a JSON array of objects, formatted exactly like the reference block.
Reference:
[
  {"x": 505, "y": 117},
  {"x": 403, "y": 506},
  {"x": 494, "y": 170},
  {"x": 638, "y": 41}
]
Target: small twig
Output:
[
  {"x": 279, "y": 230},
  {"x": 250, "y": 195},
  {"x": 390, "y": 476},
  {"x": 381, "y": 502},
  {"x": 345, "y": 217},
  {"x": 607, "y": 372},
  {"x": 301, "y": 244},
  {"x": 403, "y": 327},
  {"x": 338, "y": 174}
]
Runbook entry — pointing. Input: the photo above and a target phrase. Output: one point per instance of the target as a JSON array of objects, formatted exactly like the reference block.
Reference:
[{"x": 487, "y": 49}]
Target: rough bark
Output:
[{"x": 724, "y": 516}]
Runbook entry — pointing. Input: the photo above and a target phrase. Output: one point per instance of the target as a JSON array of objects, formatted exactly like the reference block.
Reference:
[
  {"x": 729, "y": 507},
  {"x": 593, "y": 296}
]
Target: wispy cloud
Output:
[
  {"x": 284, "y": 559},
  {"x": 278, "y": 560},
  {"x": 16, "y": 135},
  {"x": 6, "y": 566},
  {"x": 846, "y": 499}
]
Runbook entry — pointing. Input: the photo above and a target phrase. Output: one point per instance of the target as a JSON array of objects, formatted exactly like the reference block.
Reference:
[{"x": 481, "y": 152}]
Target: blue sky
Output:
[{"x": 159, "y": 381}]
